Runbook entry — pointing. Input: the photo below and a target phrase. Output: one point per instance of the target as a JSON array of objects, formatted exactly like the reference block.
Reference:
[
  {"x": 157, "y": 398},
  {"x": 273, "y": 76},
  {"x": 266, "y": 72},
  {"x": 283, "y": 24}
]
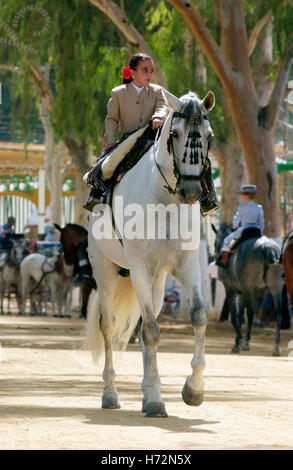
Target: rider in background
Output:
[
  {"x": 249, "y": 214},
  {"x": 6, "y": 234}
]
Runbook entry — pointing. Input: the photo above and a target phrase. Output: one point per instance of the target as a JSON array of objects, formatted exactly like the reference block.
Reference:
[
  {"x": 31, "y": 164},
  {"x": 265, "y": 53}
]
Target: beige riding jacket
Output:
[{"x": 132, "y": 110}]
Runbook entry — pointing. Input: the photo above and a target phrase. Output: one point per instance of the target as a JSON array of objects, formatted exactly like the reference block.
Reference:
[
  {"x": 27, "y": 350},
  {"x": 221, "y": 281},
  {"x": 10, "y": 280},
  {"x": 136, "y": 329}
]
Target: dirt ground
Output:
[{"x": 51, "y": 392}]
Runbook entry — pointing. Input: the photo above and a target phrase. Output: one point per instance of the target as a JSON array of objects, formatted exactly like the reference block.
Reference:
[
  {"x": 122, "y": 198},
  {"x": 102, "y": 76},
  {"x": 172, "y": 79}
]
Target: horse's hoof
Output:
[
  {"x": 110, "y": 402},
  {"x": 244, "y": 345},
  {"x": 156, "y": 410},
  {"x": 276, "y": 351},
  {"x": 144, "y": 402},
  {"x": 190, "y": 397},
  {"x": 235, "y": 349}
]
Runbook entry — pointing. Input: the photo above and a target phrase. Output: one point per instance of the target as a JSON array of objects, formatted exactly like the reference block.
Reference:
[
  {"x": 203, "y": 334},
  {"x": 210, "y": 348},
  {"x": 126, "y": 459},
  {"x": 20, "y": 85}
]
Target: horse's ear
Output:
[
  {"x": 58, "y": 227},
  {"x": 214, "y": 229},
  {"x": 173, "y": 100},
  {"x": 209, "y": 101}
]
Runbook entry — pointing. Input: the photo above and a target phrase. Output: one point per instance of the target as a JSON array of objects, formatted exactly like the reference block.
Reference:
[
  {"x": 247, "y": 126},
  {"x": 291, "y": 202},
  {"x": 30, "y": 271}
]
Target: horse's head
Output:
[
  {"x": 70, "y": 240},
  {"x": 189, "y": 143},
  {"x": 223, "y": 231},
  {"x": 17, "y": 252}
]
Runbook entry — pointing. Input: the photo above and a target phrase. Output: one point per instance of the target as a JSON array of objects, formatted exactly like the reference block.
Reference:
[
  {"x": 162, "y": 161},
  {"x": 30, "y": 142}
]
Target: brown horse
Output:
[
  {"x": 287, "y": 259},
  {"x": 71, "y": 237}
]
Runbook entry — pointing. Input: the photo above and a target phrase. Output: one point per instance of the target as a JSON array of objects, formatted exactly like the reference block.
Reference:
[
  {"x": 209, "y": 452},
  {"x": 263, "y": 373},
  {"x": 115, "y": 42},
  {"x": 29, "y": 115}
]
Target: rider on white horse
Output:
[
  {"x": 133, "y": 105},
  {"x": 6, "y": 231},
  {"x": 249, "y": 214}
]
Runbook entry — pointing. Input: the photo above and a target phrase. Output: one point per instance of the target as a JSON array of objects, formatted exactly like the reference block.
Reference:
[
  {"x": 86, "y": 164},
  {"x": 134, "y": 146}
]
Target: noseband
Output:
[{"x": 192, "y": 142}]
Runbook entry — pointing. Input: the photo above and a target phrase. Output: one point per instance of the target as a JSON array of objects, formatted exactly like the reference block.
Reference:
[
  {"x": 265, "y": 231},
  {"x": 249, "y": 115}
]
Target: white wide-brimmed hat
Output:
[{"x": 248, "y": 189}]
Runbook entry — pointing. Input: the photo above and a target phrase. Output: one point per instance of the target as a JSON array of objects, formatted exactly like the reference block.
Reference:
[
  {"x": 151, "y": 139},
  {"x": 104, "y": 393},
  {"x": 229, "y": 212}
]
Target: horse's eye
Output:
[{"x": 174, "y": 134}]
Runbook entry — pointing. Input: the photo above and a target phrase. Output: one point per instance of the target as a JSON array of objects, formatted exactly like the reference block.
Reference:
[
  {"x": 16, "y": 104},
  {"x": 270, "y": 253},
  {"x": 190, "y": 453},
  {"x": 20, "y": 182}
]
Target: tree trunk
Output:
[
  {"x": 254, "y": 125},
  {"x": 79, "y": 154},
  {"x": 53, "y": 166},
  {"x": 232, "y": 173}
]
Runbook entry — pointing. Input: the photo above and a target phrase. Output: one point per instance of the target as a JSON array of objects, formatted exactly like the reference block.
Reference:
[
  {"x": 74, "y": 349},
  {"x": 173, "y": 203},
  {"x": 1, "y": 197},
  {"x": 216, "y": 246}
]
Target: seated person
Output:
[
  {"x": 248, "y": 215},
  {"x": 6, "y": 234},
  {"x": 133, "y": 105}
]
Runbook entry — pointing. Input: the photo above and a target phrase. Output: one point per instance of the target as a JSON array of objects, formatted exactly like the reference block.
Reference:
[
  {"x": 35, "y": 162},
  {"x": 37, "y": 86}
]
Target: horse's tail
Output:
[{"x": 126, "y": 313}]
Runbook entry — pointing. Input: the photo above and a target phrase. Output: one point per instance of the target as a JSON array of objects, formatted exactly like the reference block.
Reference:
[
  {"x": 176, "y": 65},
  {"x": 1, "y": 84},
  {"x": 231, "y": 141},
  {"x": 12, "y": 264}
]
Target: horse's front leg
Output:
[
  {"x": 2, "y": 297},
  {"x": 189, "y": 277},
  {"x": 150, "y": 299}
]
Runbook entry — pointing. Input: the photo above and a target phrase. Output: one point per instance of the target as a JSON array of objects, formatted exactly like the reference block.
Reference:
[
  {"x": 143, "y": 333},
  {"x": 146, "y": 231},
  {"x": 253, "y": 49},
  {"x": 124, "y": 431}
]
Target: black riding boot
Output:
[
  {"x": 85, "y": 268},
  {"x": 98, "y": 186},
  {"x": 209, "y": 203}
]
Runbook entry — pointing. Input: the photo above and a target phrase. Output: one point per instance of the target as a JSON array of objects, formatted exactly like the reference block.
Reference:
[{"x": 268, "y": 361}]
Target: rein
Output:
[
  {"x": 176, "y": 171},
  {"x": 42, "y": 277}
]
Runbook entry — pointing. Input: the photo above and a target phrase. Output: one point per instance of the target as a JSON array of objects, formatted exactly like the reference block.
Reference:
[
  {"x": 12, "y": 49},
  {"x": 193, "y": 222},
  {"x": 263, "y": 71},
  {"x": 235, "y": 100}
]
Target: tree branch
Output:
[
  {"x": 40, "y": 82},
  {"x": 257, "y": 30},
  {"x": 279, "y": 90},
  {"x": 119, "y": 18},
  {"x": 205, "y": 39},
  {"x": 235, "y": 46},
  {"x": 12, "y": 68}
]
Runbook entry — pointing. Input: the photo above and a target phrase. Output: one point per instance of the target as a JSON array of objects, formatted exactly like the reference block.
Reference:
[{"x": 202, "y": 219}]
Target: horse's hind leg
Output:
[
  {"x": 189, "y": 277},
  {"x": 235, "y": 319},
  {"x": 253, "y": 303},
  {"x": 278, "y": 309}
]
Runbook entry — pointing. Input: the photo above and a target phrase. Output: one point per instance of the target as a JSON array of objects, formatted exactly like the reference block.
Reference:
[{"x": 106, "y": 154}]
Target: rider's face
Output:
[{"x": 143, "y": 73}]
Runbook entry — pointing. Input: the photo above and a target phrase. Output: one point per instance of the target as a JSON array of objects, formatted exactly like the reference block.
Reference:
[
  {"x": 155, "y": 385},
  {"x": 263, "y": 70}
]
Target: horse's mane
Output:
[{"x": 190, "y": 106}]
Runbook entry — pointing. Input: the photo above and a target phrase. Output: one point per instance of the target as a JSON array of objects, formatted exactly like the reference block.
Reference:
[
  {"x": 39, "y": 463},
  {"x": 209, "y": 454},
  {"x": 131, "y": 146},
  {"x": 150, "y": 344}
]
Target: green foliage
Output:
[{"x": 87, "y": 53}]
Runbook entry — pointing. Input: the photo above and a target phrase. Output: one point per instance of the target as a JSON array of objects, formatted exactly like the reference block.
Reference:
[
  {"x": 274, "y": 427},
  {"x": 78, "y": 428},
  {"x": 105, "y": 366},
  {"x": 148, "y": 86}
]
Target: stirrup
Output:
[
  {"x": 91, "y": 203},
  {"x": 210, "y": 211}
]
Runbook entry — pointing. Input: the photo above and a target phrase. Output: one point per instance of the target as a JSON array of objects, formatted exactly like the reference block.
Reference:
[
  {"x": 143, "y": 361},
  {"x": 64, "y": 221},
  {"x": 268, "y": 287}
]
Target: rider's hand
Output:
[
  {"x": 106, "y": 148},
  {"x": 157, "y": 123}
]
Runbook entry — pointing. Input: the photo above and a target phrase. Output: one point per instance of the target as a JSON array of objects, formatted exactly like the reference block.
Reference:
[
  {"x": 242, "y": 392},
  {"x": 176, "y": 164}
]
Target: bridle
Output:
[{"x": 194, "y": 135}]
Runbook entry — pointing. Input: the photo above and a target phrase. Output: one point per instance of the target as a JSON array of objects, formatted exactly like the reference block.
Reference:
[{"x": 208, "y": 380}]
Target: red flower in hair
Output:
[{"x": 126, "y": 72}]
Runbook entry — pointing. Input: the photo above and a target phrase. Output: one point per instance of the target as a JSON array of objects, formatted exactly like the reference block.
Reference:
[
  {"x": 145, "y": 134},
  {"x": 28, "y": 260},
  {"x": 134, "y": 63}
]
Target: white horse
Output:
[
  {"x": 38, "y": 271},
  {"x": 168, "y": 176},
  {"x": 10, "y": 274}
]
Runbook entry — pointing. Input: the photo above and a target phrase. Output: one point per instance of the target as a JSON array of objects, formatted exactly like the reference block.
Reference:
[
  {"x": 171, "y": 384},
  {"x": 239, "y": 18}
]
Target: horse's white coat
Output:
[
  {"x": 33, "y": 267},
  {"x": 149, "y": 261}
]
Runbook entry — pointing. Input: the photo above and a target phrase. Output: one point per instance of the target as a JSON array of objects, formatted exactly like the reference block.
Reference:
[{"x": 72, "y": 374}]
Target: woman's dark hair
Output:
[{"x": 133, "y": 63}]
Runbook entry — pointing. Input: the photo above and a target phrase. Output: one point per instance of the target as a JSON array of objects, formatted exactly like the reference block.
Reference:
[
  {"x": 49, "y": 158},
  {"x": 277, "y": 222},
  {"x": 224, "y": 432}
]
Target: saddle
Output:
[
  {"x": 99, "y": 177},
  {"x": 249, "y": 232}
]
